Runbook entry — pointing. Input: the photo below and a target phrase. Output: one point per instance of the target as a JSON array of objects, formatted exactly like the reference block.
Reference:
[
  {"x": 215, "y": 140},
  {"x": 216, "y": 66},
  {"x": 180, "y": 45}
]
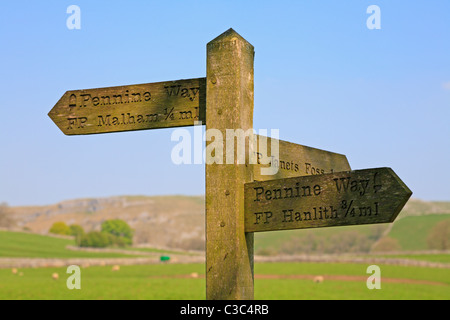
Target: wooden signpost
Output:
[
  {"x": 229, "y": 100},
  {"x": 311, "y": 187},
  {"x": 134, "y": 107},
  {"x": 335, "y": 199},
  {"x": 295, "y": 160}
]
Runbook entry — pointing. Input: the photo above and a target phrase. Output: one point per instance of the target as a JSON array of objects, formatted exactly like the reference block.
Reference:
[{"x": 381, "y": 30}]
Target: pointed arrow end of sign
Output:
[
  {"x": 401, "y": 193},
  {"x": 58, "y": 114}
]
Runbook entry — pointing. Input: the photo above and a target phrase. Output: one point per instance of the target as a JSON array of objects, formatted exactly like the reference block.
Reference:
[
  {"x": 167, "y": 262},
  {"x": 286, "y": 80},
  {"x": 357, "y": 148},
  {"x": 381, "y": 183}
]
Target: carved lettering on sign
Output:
[
  {"x": 344, "y": 198},
  {"x": 134, "y": 107},
  {"x": 296, "y": 160}
]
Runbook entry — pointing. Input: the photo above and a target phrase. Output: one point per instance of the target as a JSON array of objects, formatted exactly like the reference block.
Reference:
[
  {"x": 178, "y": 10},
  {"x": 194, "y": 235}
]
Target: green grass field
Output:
[
  {"x": 28, "y": 245},
  {"x": 173, "y": 282},
  {"x": 412, "y": 232},
  {"x": 168, "y": 281}
]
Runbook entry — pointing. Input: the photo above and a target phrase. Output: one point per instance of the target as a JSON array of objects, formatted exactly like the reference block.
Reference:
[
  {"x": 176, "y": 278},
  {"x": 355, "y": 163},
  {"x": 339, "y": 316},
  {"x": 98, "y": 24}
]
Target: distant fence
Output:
[
  {"x": 362, "y": 260},
  {"x": 86, "y": 262}
]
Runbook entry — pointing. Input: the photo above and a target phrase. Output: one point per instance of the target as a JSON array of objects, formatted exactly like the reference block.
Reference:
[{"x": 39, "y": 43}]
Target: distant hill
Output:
[
  {"x": 416, "y": 207},
  {"x": 179, "y": 222},
  {"x": 162, "y": 221}
]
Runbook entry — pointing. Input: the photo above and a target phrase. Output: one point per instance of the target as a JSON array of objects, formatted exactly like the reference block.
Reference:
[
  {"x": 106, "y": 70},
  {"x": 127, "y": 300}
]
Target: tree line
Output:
[{"x": 115, "y": 232}]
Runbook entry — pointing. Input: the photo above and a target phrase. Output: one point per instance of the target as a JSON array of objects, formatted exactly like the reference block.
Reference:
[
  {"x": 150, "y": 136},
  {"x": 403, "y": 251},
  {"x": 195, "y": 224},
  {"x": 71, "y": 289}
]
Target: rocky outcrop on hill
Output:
[{"x": 162, "y": 221}]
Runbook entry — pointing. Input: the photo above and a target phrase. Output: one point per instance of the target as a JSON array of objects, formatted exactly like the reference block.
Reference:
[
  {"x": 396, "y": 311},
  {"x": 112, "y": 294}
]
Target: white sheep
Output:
[
  {"x": 318, "y": 279},
  {"x": 115, "y": 268}
]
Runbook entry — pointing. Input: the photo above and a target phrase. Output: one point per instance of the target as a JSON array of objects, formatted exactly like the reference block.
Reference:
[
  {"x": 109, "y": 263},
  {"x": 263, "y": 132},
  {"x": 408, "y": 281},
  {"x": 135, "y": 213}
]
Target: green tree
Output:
[
  {"x": 95, "y": 239},
  {"x": 60, "y": 228},
  {"x": 77, "y": 231},
  {"x": 119, "y": 229}
]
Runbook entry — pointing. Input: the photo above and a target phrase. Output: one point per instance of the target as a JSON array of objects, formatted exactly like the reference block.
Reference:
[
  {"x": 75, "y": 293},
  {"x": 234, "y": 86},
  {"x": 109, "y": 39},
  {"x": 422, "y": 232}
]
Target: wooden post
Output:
[{"x": 229, "y": 100}]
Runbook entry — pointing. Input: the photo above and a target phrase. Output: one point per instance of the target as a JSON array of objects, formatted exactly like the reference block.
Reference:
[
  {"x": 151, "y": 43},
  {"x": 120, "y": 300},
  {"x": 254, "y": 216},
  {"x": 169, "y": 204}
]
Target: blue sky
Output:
[{"x": 381, "y": 97}]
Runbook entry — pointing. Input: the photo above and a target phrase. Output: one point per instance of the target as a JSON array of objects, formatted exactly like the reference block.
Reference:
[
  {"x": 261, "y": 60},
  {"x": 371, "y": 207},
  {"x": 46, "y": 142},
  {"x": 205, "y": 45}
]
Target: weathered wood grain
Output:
[
  {"x": 132, "y": 107},
  {"x": 294, "y": 160},
  {"x": 344, "y": 198},
  {"x": 229, "y": 250}
]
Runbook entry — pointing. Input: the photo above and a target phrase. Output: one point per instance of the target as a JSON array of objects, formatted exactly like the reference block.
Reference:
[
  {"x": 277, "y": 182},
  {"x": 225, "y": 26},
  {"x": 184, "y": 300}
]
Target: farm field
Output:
[
  {"x": 185, "y": 281},
  {"x": 273, "y": 281},
  {"x": 29, "y": 245}
]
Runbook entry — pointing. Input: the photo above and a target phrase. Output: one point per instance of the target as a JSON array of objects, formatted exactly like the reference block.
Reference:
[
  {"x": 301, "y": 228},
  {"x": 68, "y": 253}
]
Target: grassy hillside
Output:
[
  {"x": 412, "y": 232},
  {"x": 409, "y": 234},
  {"x": 28, "y": 245},
  {"x": 178, "y": 222},
  {"x": 163, "y": 221},
  {"x": 346, "y": 239}
]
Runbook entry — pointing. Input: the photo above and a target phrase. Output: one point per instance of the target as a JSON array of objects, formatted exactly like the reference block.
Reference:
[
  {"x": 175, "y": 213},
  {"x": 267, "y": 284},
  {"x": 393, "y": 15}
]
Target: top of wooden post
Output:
[{"x": 229, "y": 35}]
